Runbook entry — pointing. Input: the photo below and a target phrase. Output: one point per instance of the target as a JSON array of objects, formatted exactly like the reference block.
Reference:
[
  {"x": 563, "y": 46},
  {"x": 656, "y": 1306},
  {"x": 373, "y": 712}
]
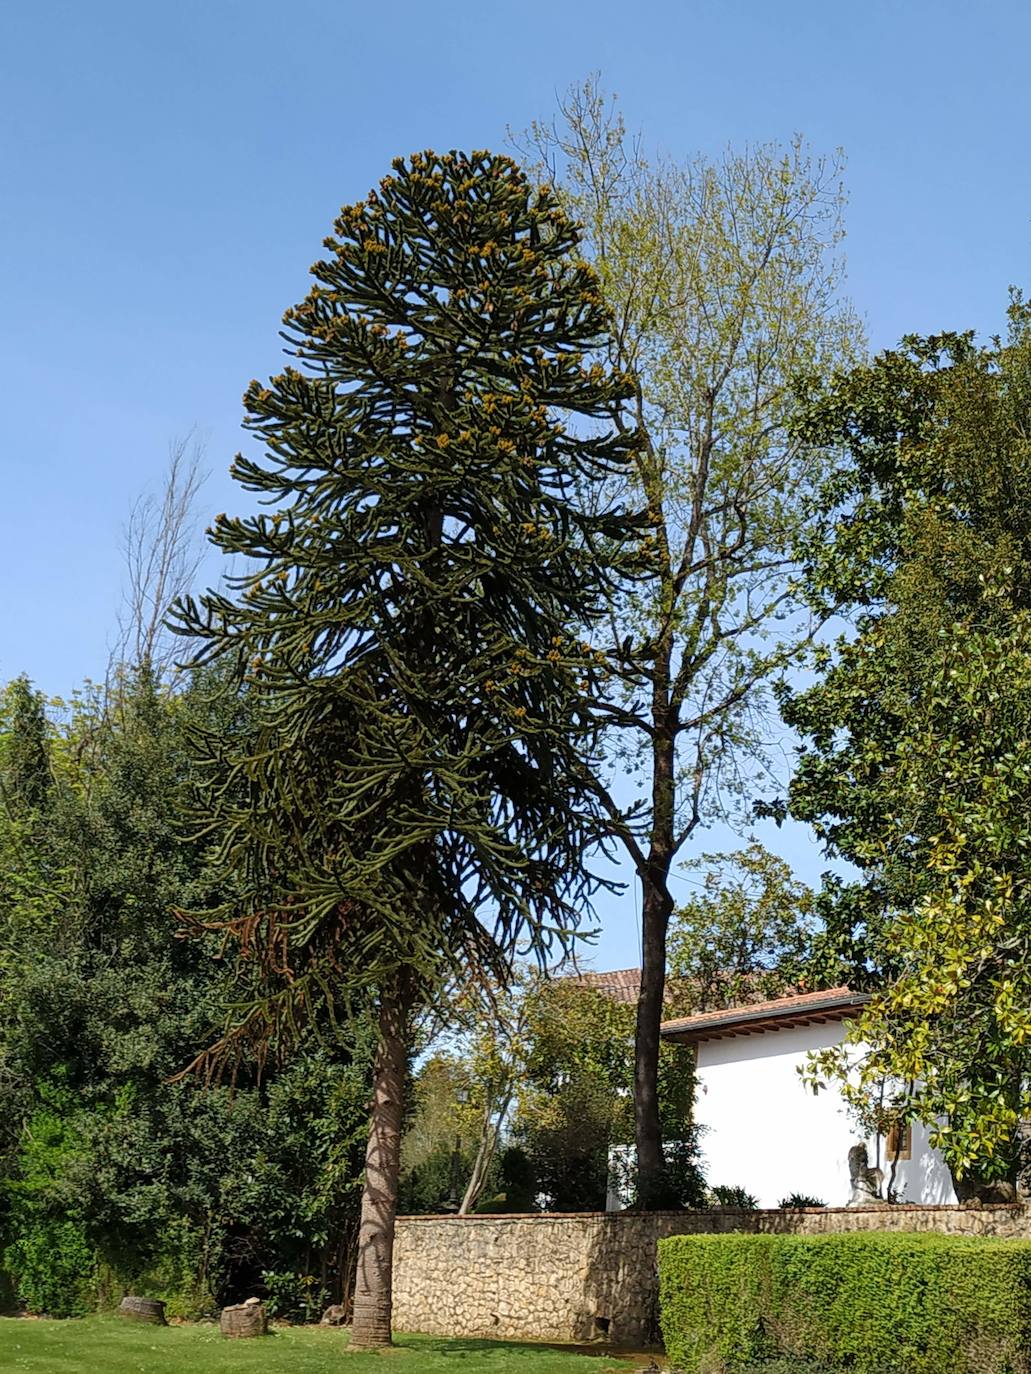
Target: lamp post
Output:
[{"x": 454, "y": 1202}]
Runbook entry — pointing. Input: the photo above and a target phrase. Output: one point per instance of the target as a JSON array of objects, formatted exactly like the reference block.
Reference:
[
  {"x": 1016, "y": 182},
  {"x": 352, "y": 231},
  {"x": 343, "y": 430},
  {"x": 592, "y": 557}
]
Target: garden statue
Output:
[{"x": 866, "y": 1182}]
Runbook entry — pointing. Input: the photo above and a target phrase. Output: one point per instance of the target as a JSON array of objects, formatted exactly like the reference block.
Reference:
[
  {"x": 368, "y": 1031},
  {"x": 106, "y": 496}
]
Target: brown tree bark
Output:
[
  {"x": 373, "y": 1276},
  {"x": 650, "y": 1161},
  {"x": 656, "y": 909}
]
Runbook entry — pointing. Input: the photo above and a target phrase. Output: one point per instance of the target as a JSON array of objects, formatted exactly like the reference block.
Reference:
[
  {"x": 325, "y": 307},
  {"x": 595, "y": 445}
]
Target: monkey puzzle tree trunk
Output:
[{"x": 373, "y": 1278}]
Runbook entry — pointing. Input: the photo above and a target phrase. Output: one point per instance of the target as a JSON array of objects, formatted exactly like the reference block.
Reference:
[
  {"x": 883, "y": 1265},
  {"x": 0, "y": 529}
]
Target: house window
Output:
[{"x": 898, "y": 1143}]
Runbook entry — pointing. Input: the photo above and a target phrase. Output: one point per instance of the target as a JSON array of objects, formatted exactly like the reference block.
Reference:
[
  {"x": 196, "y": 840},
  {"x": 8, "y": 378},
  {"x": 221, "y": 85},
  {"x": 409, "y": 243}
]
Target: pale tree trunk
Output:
[
  {"x": 490, "y": 1132},
  {"x": 373, "y": 1275}
]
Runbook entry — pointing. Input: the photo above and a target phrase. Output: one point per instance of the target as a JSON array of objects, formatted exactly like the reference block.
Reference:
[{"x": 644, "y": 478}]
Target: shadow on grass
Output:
[{"x": 478, "y": 1345}]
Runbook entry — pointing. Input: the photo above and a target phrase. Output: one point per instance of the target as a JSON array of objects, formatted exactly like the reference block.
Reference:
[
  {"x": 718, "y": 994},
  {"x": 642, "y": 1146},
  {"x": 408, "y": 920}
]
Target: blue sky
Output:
[{"x": 169, "y": 171}]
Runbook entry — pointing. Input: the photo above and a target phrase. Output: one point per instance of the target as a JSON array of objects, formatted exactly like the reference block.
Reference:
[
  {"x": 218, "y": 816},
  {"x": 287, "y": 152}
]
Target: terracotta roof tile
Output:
[
  {"x": 831, "y": 1003},
  {"x": 621, "y": 984}
]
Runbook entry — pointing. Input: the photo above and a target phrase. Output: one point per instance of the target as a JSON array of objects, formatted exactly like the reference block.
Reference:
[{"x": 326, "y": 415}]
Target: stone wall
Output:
[{"x": 592, "y": 1276}]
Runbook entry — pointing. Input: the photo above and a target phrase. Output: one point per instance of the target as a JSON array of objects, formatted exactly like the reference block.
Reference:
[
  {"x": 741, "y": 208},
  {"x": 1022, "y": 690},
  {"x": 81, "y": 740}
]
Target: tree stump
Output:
[
  {"x": 143, "y": 1310},
  {"x": 244, "y": 1319}
]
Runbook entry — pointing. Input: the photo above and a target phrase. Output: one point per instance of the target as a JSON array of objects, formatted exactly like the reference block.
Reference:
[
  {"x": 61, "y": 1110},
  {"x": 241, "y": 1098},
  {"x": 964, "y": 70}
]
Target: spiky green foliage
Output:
[{"x": 408, "y": 621}]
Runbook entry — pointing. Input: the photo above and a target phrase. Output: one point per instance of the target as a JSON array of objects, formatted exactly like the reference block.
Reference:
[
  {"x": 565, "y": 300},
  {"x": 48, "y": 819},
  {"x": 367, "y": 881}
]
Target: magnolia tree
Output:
[{"x": 914, "y": 765}]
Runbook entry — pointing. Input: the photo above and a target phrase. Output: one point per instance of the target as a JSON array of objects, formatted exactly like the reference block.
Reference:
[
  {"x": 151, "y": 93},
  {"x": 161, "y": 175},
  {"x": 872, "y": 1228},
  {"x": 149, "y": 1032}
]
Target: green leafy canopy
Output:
[{"x": 914, "y": 765}]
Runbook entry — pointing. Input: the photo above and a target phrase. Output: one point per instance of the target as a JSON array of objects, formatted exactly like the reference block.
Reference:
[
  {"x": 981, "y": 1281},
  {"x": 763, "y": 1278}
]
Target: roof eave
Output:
[{"x": 742, "y": 1022}]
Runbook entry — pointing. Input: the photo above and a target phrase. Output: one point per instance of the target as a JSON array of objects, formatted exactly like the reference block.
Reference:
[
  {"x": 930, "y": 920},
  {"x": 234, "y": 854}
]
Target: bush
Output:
[
  {"x": 8, "y": 1298},
  {"x": 874, "y": 1303},
  {"x": 436, "y": 1184},
  {"x": 723, "y": 1195},
  {"x": 801, "y": 1200},
  {"x": 54, "y": 1269},
  {"x": 174, "y": 1272},
  {"x": 517, "y": 1180},
  {"x": 294, "y": 1297}
]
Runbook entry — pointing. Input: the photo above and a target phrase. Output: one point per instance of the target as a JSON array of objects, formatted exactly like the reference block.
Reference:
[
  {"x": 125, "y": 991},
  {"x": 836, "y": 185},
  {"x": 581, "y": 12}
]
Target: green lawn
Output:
[{"x": 111, "y": 1345}]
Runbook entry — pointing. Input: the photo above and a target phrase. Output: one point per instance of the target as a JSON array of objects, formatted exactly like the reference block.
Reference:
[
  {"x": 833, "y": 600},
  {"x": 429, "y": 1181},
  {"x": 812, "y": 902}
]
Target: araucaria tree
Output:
[
  {"x": 724, "y": 287},
  {"x": 409, "y": 622}
]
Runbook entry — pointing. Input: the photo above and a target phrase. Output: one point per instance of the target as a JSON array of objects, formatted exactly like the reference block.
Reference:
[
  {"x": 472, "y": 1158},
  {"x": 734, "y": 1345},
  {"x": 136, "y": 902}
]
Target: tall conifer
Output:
[
  {"x": 25, "y": 764},
  {"x": 408, "y": 620}
]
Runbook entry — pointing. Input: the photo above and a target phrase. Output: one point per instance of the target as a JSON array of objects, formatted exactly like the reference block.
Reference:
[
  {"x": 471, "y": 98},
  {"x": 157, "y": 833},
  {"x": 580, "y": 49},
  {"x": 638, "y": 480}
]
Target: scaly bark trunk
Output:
[{"x": 373, "y": 1276}]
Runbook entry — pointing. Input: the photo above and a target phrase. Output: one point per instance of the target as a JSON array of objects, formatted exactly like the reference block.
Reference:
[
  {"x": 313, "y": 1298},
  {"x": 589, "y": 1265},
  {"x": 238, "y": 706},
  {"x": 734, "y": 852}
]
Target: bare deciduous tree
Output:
[{"x": 162, "y": 552}]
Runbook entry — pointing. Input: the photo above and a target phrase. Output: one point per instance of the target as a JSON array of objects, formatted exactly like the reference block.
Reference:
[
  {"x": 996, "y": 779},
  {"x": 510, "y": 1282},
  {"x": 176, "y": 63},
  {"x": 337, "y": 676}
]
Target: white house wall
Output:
[
  {"x": 924, "y": 1177},
  {"x": 770, "y": 1134}
]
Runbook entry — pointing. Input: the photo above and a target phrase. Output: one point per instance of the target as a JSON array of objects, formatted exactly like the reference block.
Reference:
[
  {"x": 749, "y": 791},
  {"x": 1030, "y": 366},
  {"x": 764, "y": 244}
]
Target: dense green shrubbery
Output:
[
  {"x": 573, "y": 1106},
  {"x": 294, "y": 1297},
  {"x": 111, "y": 1176},
  {"x": 873, "y": 1303},
  {"x": 436, "y": 1183},
  {"x": 56, "y": 1269},
  {"x": 788, "y": 1365}
]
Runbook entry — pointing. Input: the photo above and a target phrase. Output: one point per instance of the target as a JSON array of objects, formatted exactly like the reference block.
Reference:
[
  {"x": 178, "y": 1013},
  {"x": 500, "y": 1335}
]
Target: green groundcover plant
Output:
[{"x": 872, "y": 1304}]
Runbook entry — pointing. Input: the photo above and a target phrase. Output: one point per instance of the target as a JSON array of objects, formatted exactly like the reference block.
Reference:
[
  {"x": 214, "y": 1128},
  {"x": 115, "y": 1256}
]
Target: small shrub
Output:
[
  {"x": 8, "y": 1299},
  {"x": 801, "y": 1200},
  {"x": 54, "y": 1269},
  {"x": 872, "y": 1303},
  {"x": 517, "y": 1180},
  {"x": 294, "y": 1297},
  {"x": 726, "y": 1196},
  {"x": 685, "y": 1181}
]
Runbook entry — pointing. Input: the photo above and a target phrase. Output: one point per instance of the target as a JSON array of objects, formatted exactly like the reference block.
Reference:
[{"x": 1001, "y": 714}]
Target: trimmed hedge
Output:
[{"x": 869, "y": 1302}]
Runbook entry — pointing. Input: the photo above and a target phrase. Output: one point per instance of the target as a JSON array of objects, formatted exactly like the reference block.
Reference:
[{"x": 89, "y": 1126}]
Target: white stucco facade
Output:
[{"x": 768, "y": 1133}]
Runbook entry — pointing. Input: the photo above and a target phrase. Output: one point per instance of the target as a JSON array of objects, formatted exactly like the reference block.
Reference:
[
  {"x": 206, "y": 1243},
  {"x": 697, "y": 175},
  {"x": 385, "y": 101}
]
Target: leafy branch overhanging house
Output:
[{"x": 765, "y": 1130}]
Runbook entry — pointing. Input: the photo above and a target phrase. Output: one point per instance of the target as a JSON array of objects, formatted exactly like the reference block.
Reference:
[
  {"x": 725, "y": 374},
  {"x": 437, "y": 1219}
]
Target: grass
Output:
[{"x": 112, "y": 1345}]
